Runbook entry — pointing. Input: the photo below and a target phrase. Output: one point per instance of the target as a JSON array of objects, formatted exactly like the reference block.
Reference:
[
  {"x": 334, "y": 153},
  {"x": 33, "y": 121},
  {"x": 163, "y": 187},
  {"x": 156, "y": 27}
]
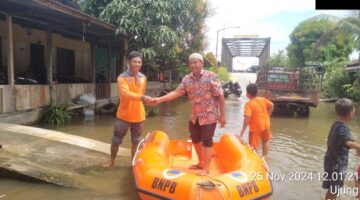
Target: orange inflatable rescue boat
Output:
[{"x": 161, "y": 170}]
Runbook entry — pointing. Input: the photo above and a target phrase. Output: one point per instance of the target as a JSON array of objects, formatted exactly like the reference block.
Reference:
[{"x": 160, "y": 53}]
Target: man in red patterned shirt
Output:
[{"x": 207, "y": 107}]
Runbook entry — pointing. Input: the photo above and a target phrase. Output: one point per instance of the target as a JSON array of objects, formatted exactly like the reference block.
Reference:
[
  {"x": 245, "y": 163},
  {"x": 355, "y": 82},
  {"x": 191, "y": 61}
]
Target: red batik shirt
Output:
[{"x": 201, "y": 93}]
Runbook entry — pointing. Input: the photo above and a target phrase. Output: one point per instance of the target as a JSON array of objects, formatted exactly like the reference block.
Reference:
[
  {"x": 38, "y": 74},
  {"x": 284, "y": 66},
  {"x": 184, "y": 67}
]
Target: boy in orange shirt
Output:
[{"x": 257, "y": 113}]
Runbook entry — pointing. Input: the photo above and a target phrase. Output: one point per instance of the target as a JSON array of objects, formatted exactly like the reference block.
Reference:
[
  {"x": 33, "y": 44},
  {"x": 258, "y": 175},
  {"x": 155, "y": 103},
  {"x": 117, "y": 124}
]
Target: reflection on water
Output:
[{"x": 297, "y": 149}]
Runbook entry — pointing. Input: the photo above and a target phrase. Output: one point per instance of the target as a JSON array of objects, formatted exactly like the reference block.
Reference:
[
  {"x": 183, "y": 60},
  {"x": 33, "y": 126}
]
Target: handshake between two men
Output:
[
  {"x": 153, "y": 101},
  {"x": 150, "y": 100}
]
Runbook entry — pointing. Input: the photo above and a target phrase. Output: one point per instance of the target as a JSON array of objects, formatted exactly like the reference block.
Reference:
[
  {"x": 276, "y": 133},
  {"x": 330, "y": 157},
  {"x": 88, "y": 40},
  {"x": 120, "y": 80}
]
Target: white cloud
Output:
[{"x": 248, "y": 11}]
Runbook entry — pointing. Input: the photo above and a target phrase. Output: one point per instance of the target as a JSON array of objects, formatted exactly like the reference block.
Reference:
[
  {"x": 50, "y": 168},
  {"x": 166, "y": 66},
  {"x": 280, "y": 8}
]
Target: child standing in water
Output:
[
  {"x": 338, "y": 144},
  {"x": 257, "y": 114}
]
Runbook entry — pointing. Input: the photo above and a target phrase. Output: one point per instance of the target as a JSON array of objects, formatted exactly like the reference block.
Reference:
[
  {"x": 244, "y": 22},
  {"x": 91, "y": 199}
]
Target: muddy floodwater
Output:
[{"x": 295, "y": 158}]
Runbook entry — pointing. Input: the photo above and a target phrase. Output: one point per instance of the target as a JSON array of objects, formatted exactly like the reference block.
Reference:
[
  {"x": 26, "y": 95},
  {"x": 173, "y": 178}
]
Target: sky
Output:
[{"x": 275, "y": 19}]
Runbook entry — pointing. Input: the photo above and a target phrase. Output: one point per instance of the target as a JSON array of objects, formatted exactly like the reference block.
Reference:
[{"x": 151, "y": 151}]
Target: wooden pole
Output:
[
  {"x": 49, "y": 64},
  {"x": 10, "y": 51},
  {"x": 109, "y": 62},
  {"x": 93, "y": 65},
  {"x": 49, "y": 58},
  {"x": 108, "y": 94}
]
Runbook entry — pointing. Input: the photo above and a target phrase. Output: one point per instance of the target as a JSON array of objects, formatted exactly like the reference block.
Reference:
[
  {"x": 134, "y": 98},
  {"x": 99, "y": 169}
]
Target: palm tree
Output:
[{"x": 349, "y": 26}]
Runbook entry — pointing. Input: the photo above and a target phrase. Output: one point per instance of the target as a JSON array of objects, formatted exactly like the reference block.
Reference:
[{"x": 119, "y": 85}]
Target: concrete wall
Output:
[
  {"x": 65, "y": 92},
  {"x": 31, "y": 96},
  {"x": 6, "y": 99},
  {"x": 35, "y": 96},
  {"x": 114, "y": 90}
]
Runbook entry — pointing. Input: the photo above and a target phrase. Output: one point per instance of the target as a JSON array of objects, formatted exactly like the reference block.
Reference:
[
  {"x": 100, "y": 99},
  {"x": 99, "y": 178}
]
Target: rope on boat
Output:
[
  {"x": 140, "y": 145},
  {"x": 209, "y": 185},
  {"x": 149, "y": 137}
]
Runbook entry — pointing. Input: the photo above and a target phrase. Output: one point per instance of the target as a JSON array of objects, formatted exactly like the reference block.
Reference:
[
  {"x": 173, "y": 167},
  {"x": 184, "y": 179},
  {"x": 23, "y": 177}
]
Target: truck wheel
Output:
[{"x": 304, "y": 111}]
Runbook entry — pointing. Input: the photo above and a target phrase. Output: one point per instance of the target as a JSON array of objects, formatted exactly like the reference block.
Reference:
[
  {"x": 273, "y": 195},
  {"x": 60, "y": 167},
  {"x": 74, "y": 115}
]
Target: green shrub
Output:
[
  {"x": 356, "y": 89},
  {"x": 213, "y": 69},
  {"x": 55, "y": 115},
  {"x": 223, "y": 74},
  {"x": 334, "y": 83},
  {"x": 183, "y": 70}
]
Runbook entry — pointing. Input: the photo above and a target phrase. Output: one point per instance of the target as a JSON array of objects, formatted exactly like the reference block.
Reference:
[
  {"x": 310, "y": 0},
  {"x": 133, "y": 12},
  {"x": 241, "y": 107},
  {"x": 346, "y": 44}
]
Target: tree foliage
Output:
[
  {"x": 93, "y": 7},
  {"x": 223, "y": 74},
  {"x": 221, "y": 71},
  {"x": 342, "y": 84},
  {"x": 339, "y": 83},
  {"x": 306, "y": 34},
  {"x": 279, "y": 59},
  {"x": 158, "y": 28},
  {"x": 211, "y": 58},
  {"x": 349, "y": 26}
]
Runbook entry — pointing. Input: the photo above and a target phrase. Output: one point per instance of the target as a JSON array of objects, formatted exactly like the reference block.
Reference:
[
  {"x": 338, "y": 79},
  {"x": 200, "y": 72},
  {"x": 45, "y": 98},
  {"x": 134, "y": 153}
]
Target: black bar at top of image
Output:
[{"x": 336, "y": 5}]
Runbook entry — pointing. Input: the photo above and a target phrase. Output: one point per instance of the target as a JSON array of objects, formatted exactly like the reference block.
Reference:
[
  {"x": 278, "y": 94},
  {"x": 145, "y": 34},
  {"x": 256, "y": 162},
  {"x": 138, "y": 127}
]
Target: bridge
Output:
[{"x": 244, "y": 47}]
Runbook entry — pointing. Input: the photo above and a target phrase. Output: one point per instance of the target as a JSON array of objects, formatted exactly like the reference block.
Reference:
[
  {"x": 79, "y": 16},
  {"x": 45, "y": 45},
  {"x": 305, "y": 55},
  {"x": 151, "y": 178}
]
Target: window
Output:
[
  {"x": 65, "y": 65},
  {"x": 37, "y": 62}
]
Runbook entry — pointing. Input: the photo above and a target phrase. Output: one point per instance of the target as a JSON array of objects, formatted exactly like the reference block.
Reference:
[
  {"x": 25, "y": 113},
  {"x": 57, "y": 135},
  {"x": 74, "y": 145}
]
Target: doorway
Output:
[{"x": 37, "y": 62}]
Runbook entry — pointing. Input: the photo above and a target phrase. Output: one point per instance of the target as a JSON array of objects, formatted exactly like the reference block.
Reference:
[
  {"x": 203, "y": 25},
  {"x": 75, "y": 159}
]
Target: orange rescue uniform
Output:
[
  {"x": 257, "y": 109},
  {"x": 131, "y": 88}
]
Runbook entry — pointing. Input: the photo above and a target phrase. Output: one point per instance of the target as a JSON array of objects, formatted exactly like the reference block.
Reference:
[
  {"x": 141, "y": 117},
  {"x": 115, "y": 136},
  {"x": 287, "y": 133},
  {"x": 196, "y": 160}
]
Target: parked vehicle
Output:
[
  {"x": 231, "y": 87},
  {"x": 226, "y": 89},
  {"x": 291, "y": 90},
  {"x": 236, "y": 89}
]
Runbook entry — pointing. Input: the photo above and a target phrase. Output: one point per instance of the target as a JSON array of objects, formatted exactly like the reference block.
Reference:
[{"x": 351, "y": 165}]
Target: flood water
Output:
[{"x": 297, "y": 149}]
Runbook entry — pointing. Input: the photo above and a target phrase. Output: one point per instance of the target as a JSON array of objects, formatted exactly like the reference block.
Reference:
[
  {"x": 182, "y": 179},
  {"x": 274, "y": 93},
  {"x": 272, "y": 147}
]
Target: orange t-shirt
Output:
[
  {"x": 131, "y": 108},
  {"x": 257, "y": 109}
]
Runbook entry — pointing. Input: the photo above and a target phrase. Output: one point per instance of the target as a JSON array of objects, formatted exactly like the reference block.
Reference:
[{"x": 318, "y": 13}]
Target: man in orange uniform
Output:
[
  {"x": 257, "y": 113},
  {"x": 131, "y": 111}
]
